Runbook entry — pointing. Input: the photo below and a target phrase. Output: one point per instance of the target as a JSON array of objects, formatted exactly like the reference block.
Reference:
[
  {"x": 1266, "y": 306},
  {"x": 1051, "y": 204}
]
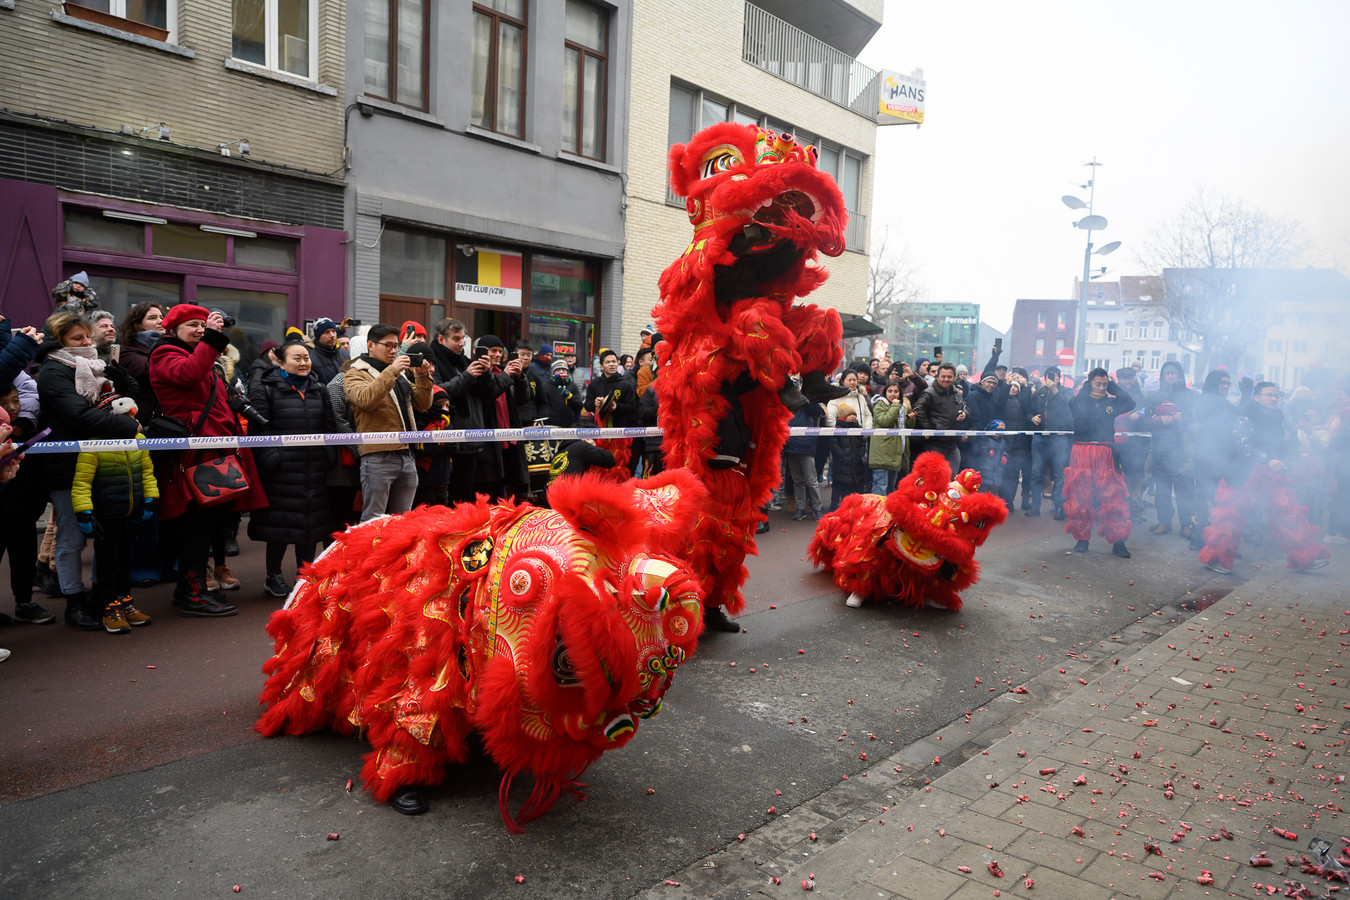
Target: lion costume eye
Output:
[{"x": 720, "y": 159}]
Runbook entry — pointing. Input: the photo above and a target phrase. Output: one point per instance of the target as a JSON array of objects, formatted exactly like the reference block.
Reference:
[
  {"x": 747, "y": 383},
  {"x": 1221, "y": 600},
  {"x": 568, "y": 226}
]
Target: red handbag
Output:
[{"x": 218, "y": 480}]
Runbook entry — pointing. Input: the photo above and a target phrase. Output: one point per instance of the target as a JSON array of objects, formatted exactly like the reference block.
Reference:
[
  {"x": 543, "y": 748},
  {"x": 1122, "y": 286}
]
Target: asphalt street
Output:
[{"x": 129, "y": 767}]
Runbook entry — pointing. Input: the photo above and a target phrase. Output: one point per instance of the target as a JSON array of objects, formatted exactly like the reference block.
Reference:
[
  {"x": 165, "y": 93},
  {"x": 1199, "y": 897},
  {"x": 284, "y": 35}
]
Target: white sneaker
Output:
[
  {"x": 4, "y": 654},
  {"x": 854, "y": 601},
  {"x": 1335, "y": 539}
]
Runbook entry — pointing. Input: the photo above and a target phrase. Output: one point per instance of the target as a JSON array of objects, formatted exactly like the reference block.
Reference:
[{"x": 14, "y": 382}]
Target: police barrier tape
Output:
[{"x": 455, "y": 437}]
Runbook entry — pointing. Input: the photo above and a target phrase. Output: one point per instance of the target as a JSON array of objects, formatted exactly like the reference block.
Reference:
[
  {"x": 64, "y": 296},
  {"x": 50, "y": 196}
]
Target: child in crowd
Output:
[
  {"x": 848, "y": 457},
  {"x": 113, "y": 491}
]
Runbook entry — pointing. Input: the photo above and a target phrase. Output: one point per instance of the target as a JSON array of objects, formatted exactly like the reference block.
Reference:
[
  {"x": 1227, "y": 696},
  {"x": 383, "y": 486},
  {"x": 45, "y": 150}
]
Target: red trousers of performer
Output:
[
  {"x": 1095, "y": 492},
  {"x": 1272, "y": 494}
]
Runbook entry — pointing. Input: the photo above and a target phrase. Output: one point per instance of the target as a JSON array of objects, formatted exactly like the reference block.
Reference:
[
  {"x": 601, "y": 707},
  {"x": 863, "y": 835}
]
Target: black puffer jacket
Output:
[
  {"x": 73, "y": 418},
  {"x": 848, "y": 456},
  {"x": 295, "y": 478}
]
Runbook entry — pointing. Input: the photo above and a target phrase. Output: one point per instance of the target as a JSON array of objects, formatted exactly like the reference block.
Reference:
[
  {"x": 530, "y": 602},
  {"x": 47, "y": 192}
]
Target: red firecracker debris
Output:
[
  {"x": 1260, "y": 862},
  {"x": 813, "y": 835},
  {"x": 1287, "y": 835},
  {"x": 1048, "y": 770},
  {"x": 1224, "y": 833},
  {"x": 349, "y": 785},
  {"x": 520, "y": 879},
  {"x": 995, "y": 870},
  {"x": 332, "y": 835},
  {"x": 1079, "y": 832},
  {"x": 1029, "y": 883},
  {"x": 236, "y": 888},
  {"x": 965, "y": 869},
  {"x": 1080, "y": 780},
  {"x": 1205, "y": 877},
  {"x": 1152, "y": 848},
  {"x": 808, "y": 884},
  {"x": 672, "y": 883}
]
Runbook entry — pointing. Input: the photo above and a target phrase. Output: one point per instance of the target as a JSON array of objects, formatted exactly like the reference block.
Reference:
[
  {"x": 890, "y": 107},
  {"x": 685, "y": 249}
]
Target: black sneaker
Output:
[
  {"x": 204, "y": 606},
  {"x": 1080, "y": 547},
  {"x": 32, "y": 613},
  {"x": 1059, "y": 514},
  {"x": 797, "y": 517},
  {"x": 762, "y": 528},
  {"x": 1033, "y": 513},
  {"x": 1119, "y": 549},
  {"x": 715, "y": 619},
  {"x": 276, "y": 586}
]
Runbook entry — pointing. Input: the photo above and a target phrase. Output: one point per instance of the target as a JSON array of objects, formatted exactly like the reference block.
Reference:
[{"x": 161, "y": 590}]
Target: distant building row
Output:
[{"x": 500, "y": 161}]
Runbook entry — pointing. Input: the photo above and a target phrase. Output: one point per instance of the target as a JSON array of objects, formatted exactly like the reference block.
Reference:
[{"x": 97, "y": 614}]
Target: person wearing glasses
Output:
[{"x": 383, "y": 398}]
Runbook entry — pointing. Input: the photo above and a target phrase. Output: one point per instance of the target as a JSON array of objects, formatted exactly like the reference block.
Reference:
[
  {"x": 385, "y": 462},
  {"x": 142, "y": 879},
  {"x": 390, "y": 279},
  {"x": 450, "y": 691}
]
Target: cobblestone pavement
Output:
[{"x": 1150, "y": 769}]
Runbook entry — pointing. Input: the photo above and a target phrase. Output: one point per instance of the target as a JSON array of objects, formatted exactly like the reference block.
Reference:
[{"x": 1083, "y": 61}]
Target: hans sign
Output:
[{"x": 901, "y": 98}]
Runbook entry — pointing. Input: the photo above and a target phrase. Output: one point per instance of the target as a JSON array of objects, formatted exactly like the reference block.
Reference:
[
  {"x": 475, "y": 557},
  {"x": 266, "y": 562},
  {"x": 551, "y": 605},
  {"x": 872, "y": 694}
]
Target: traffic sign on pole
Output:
[{"x": 1065, "y": 356}]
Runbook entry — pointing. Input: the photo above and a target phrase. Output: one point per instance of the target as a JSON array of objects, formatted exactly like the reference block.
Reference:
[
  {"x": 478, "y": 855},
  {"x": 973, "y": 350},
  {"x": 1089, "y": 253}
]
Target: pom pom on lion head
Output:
[{"x": 759, "y": 207}]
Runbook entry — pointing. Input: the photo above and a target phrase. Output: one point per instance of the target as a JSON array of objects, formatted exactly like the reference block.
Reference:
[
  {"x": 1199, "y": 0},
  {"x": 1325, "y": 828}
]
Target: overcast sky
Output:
[{"x": 1245, "y": 99}]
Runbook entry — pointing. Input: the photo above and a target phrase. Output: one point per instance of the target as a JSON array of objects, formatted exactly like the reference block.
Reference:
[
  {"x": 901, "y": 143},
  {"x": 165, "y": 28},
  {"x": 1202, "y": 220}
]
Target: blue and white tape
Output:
[{"x": 476, "y": 435}]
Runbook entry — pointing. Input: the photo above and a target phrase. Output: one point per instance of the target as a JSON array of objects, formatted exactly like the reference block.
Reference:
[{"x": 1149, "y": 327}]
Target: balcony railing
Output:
[
  {"x": 855, "y": 233},
  {"x": 793, "y": 55}
]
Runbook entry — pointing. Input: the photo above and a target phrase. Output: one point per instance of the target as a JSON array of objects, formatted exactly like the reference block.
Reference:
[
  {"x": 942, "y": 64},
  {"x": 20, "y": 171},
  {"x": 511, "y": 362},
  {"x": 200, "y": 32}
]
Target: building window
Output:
[
  {"x": 1060, "y": 321},
  {"x": 585, "y": 77},
  {"x": 1059, "y": 345},
  {"x": 499, "y": 66},
  {"x": 1274, "y": 345},
  {"x": 1299, "y": 346},
  {"x": 396, "y": 50},
  {"x": 1157, "y": 331},
  {"x": 1129, "y": 331},
  {"x": 1040, "y": 345},
  {"x": 412, "y": 264},
  {"x": 1040, "y": 321},
  {"x": 277, "y": 34},
  {"x": 1111, "y": 333},
  {"x": 160, "y": 15}
]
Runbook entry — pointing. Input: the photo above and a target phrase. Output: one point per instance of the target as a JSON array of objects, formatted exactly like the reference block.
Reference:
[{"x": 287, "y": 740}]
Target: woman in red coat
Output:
[{"x": 183, "y": 373}]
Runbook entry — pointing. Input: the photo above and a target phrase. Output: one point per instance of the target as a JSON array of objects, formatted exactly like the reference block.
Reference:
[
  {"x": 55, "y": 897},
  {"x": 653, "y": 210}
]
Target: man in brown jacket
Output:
[{"x": 383, "y": 399}]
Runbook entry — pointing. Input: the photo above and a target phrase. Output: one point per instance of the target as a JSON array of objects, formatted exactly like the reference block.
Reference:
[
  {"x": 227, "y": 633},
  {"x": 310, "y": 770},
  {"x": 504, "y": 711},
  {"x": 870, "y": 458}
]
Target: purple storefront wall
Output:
[{"x": 30, "y": 253}]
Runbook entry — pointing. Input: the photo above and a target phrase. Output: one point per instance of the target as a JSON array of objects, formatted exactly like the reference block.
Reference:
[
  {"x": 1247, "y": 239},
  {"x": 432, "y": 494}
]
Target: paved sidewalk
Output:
[{"x": 1148, "y": 768}]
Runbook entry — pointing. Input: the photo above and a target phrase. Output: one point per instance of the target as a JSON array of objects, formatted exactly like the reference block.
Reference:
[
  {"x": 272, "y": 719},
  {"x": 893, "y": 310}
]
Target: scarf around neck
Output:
[{"x": 88, "y": 368}]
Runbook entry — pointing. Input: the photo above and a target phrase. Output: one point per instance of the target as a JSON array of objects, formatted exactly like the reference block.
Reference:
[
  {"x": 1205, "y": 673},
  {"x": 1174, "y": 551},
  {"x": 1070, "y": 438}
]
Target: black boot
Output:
[
  {"x": 818, "y": 390},
  {"x": 80, "y": 613},
  {"x": 232, "y": 540},
  {"x": 200, "y": 603},
  {"x": 45, "y": 580},
  {"x": 1119, "y": 549}
]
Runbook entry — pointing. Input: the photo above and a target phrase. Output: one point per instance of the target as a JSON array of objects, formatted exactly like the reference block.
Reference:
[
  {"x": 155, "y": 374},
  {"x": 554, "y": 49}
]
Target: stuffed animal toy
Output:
[
  {"x": 916, "y": 545},
  {"x": 550, "y": 632},
  {"x": 762, "y": 212}
]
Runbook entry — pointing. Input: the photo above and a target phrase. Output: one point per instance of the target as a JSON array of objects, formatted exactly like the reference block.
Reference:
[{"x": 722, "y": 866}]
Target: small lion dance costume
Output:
[
  {"x": 917, "y": 544},
  {"x": 761, "y": 212},
  {"x": 548, "y": 631}
]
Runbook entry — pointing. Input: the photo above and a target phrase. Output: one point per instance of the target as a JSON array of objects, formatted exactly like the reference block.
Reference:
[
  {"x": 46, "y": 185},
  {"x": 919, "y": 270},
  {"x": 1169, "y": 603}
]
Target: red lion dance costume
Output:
[
  {"x": 761, "y": 212},
  {"x": 548, "y": 631},
  {"x": 1271, "y": 493},
  {"x": 916, "y": 545}
]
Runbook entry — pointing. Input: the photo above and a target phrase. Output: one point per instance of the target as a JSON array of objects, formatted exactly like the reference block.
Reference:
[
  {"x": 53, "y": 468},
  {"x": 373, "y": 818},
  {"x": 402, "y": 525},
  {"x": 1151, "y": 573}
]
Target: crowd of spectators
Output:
[{"x": 174, "y": 516}]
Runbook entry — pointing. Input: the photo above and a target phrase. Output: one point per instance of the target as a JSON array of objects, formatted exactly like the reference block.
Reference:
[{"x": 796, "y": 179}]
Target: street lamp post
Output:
[{"x": 1088, "y": 223}]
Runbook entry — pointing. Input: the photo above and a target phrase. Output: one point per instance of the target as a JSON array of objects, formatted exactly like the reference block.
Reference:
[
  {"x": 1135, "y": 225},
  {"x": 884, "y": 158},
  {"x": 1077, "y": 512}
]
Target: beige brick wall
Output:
[
  {"x": 700, "y": 44},
  {"x": 73, "y": 75}
]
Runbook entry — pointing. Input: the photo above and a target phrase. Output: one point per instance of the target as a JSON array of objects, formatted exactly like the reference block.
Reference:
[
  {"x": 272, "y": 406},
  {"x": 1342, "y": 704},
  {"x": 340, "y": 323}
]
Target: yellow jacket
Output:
[{"x": 113, "y": 483}]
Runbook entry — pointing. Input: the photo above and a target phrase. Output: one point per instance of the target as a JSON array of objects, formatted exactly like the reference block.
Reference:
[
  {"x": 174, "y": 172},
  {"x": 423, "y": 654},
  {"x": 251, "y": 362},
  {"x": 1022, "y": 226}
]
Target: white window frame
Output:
[
  {"x": 272, "y": 44},
  {"x": 119, "y": 8},
  {"x": 1111, "y": 333}
]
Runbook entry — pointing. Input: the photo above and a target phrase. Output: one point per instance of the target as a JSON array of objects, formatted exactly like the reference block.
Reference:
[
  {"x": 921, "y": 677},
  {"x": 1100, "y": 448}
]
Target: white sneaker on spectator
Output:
[{"x": 4, "y": 654}]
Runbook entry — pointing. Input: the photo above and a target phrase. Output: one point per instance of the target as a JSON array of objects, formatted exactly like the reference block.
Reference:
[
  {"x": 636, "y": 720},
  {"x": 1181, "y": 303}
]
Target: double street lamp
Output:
[{"x": 1088, "y": 223}]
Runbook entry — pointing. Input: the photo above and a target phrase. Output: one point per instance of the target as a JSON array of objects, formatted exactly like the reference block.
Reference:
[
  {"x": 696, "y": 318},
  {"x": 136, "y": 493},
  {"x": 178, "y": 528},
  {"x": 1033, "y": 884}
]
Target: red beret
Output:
[{"x": 181, "y": 313}]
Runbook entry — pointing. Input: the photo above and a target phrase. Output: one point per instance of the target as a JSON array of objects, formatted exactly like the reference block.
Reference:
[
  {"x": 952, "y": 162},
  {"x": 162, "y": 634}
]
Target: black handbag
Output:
[{"x": 162, "y": 426}]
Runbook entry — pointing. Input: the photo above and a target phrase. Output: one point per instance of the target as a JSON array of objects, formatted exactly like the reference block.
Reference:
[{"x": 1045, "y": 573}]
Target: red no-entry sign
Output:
[{"x": 1065, "y": 356}]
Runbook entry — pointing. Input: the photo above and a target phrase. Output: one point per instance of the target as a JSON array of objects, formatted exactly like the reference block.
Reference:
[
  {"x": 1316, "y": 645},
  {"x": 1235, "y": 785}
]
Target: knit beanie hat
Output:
[
  {"x": 845, "y": 410},
  {"x": 559, "y": 365}
]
